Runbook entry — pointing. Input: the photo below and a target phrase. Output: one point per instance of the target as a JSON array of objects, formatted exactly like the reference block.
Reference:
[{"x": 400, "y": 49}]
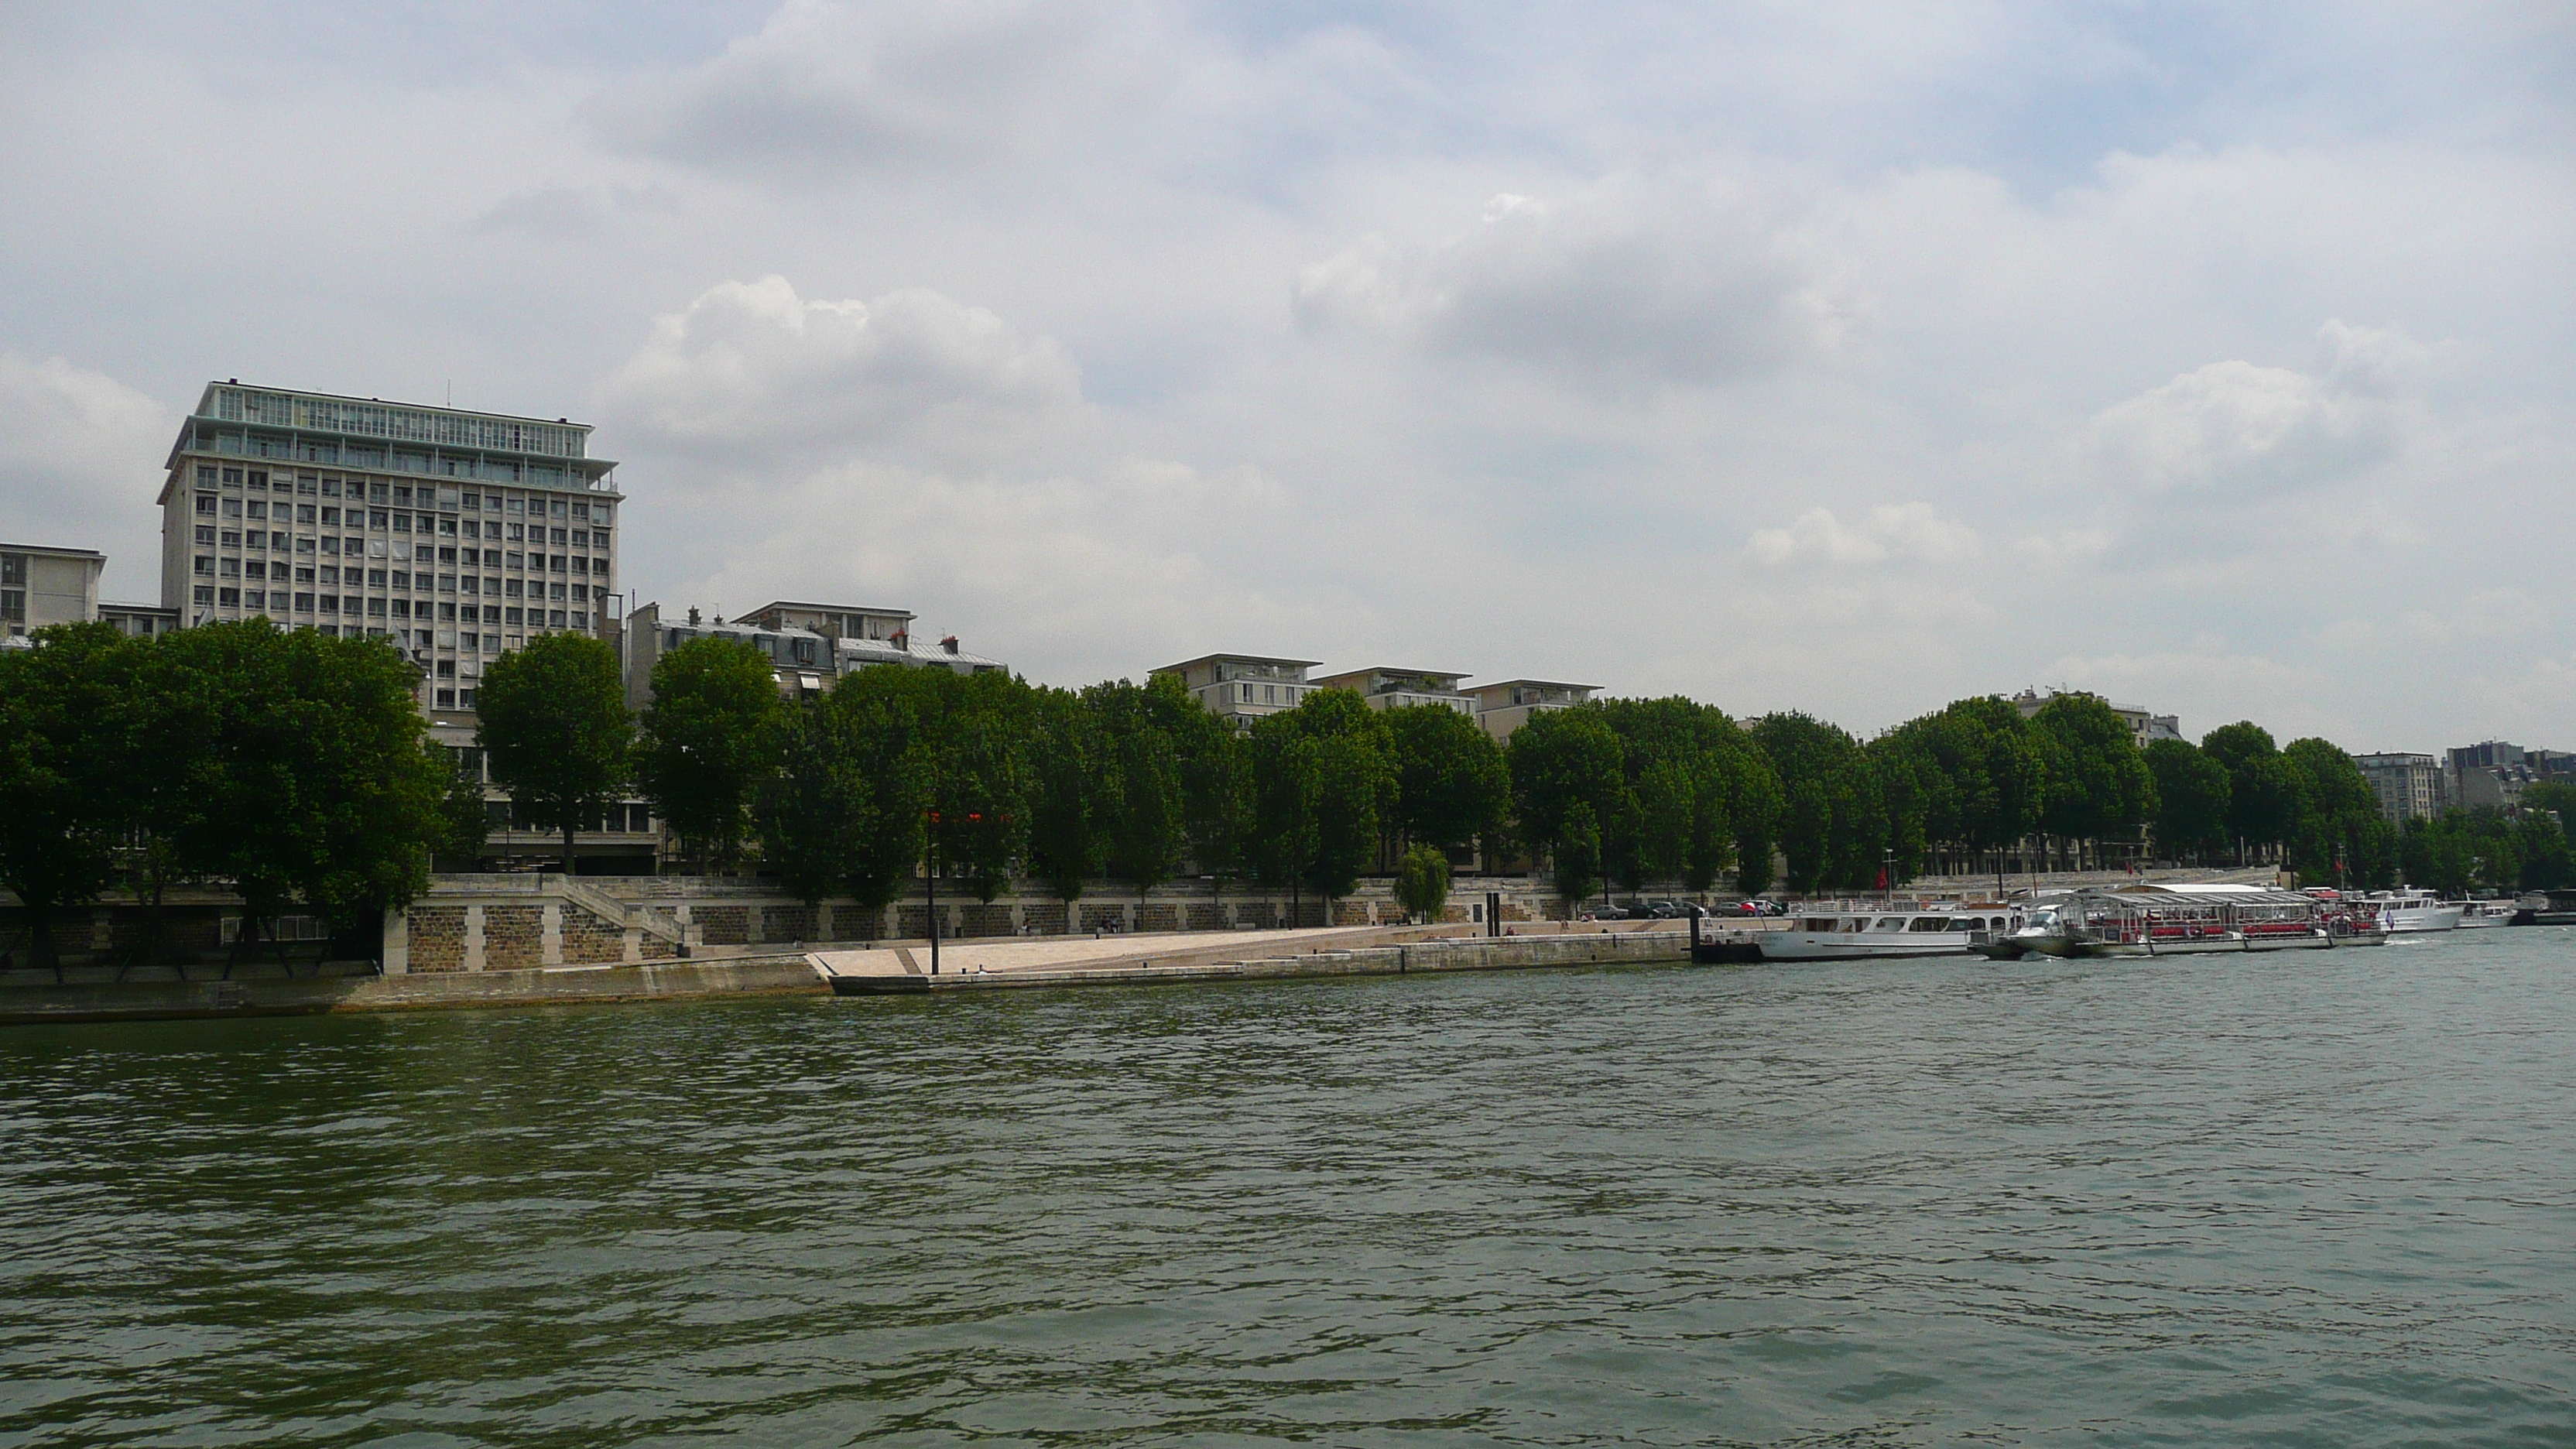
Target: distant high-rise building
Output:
[
  {"x": 41, "y": 586},
  {"x": 457, "y": 535}
]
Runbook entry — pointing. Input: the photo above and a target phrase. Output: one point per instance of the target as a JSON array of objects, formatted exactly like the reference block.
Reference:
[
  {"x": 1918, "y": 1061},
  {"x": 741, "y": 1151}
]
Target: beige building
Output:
[
  {"x": 2410, "y": 787},
  {"x": 1389, "y": 688},
  {"x": 806, "y": 645},
  {"x": 41, "y": 586},
  {"x": 1240, "y": 688},
  {"x": 1503, "y": 708},
  {"x": 2144, "y": 726}
]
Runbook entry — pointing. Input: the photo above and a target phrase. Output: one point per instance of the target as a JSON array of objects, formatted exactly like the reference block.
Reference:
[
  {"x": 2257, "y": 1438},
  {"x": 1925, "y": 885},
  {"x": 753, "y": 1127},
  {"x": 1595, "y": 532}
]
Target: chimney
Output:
[
  {"x": 901, "y": 639},
  {"x": 949, "y": 643},
  {"x": 693, "y": 616}
]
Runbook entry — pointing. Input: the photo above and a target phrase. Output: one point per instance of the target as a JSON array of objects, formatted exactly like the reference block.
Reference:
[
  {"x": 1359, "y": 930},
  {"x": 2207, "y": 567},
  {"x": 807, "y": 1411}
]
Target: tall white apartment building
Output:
[{"x": 458, "y": 535}]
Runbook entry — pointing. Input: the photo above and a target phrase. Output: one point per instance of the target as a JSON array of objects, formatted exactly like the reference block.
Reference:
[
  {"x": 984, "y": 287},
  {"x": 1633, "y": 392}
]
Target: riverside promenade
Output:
[{"x": 974, "y": 963}]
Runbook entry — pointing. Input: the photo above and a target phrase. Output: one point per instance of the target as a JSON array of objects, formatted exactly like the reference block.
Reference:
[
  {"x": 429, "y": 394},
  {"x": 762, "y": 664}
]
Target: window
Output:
[
  {"x": 402, "y": 494},
  {"x": 599, "y": 538},
  {"x": 305, "y": 576},
  {"x": 375, "y": 578},
  {"x": 231, "y": 539},
  {"x": 447, "y": 698},
  {"x": 376, "y": 492},
  {"x": 470, "y": 501},
  {"x": 231, "y": 568},
  {"x": 257, "y": 570},
  {"x": 330, "y": 516},
  {"x": 402, "y": 523},
  {"x": 205, "y": 565},
  {"x": 558, "y": 512},
  {"x": 376, "y": 607},
  {"x": 377, "y": 520},
  {"x": 447, "y": 669},
  {"x": 557, "y": 563},
  {"x": 329, "y": 575},
  {"x": 447, "y": 611},
  {"x": 232, "y": 508},
  {"x": 329, "y": 545},
  {"x": 259, "y": 509},
  {"x": 402, "y": 608},
  {"x": 330, "y": 603},
  {"x": 446, "y": 584},
  {"x": 465, "y": 699},
  {"x": 554, "y": 591},
  {"x": 517, "y": 505},
  {"x": 469, "y": 584},
  {"x": 556, "y": 535},
  {"x": 510, "y": 616},
  {"x": 205, "y": 475},
  {"x": 303, "y": 513},
  {"x": 228, "y": 598},
  {"x": 491, "y": 615},
  {"x": 202, "y": 594},
  {"x": 554, "y": 618},
  {"x": 331, "y": 488},
  {"x": 514, "y": 561},
  {"x": 581, "y": 510},
  {"x": 206, "y": 537},
  {"x": 206, "y": 504},
  {"x": 447, "y": 526},
  {"x": 232, "y": 477},
  {"x": 447, "y": 555},
  {"x": 304, "y": 483}
]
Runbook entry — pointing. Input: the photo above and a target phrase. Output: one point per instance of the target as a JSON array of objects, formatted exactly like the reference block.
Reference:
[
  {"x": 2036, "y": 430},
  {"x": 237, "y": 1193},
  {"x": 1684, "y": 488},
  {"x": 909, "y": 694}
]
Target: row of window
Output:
[
  {"x": 206, "y": 566},
  {"x": 296, "y": 601},
  {"x": 400, "y": 495},
  {"x": 308, "y": 515},
  {"x": 332, "y": 454}
]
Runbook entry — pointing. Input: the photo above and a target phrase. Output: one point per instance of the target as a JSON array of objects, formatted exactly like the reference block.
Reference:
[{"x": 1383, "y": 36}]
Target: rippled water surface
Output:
[{"x": 2321, "y": 1199}]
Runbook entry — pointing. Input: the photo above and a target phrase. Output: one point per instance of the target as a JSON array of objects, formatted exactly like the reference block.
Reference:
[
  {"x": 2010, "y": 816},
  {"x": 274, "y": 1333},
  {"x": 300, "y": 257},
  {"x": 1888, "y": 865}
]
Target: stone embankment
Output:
[{"x": 973, "y": 964}]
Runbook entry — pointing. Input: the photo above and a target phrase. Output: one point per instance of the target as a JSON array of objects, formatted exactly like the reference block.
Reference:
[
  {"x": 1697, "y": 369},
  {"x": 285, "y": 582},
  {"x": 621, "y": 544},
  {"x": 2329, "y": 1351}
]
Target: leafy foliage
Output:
[
  {"x": 705, "y": 741},
  {"x": 1422, "y": 882},
  {"x": 555, "y": 727}
]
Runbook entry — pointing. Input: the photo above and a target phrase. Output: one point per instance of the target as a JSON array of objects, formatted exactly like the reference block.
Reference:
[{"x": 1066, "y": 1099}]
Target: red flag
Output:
[{"x": 1882, "y": 877}]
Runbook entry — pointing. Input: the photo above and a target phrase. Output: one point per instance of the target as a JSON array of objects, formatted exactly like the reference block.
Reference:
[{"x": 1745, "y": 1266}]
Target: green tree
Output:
[
  {"x": 1422, "y": 883},
  {"x": 556, "y": 731},
  {"x": 319, "y": 786},
  {"x": 1832, "y": 831},
  {"x": 2262, "y": 789},
  {"x": 2099, "y": 787},
  {"x": 811, "y": 812},
  {"x": 464, "y": 822},
  {"x": 2338, "y": 812},
  {"x": 2191, "y": 799},
  {"x": 979, "y": 772},
  {"x": 1701, "y": 794},
  {"x": 2547, "y": 832},
  {"x": 876, "y": 733},
  {"x": 1324, "y": 780},
  {"x": 1577, "y": 855},
  {"x": 1453, "y": 786},
  {"x": 1569, "y": 767},
  {"x": 1072, "y": 801},
  {"x": 706, "y": 743},
  {"x": 61, "y": 725},
  {"x": 1148, "y": 824}
]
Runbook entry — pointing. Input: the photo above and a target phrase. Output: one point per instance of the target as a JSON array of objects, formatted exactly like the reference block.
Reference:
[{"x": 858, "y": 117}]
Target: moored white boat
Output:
[
  {"x": 2405, "y": 912},
  {"x": 1814, "y": 935},
  {"x": 2475, "y": 915}
]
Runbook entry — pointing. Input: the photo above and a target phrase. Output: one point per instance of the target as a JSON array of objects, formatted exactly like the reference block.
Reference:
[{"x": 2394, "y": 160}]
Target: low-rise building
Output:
[
  {"x": 806, "y": 661},
  {"x": 143, "y": 621},
  {"x": 1389, "y": 688},
  {"x": 41, "y": 586},
  {"x": 1503, "y": 708},
  {"x": 2409, "y": 786},
  {"x": 2145, "y": 726},
  {"x": 1241, "y": 688}
]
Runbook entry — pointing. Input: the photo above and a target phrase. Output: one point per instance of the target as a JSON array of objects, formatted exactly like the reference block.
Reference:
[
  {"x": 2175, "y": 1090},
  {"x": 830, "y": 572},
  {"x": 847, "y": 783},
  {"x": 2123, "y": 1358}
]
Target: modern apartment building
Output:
[
  {"x": 41, "y": 586},
  {"x": 804, "y": 644},
  {"x": 1503, "y": 708},
  {"x": 1240, "y": 688},
  {"x": 2410, "y": 787},
  {"x": 458, "y": 535},
  {"x": 1389, "y": 688}
]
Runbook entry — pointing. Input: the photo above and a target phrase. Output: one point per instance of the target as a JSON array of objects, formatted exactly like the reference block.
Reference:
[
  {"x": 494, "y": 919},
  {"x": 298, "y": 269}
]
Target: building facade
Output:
[
  {"x": 41, "y": 586},
  {"x": 1389, "y": 688},
  {"x": 1241, "y": 688},
  {"x": 805, "y": 660},
  {"x": 457, "y": 535},
  {"x": 2145, "y": 726},
  {"x": 1501, "y": 709},
  {"x": 2410, "y": 787}
]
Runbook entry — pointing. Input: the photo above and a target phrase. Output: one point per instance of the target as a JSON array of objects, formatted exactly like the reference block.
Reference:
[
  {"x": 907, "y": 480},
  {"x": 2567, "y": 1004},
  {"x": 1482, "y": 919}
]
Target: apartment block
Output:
[
  {"x": 1241, "y": 688},
  {"x": 457, "y": 535},
  {"x": 1501, "y": 709},
  {"x": 2410, "y": 787},
  {"x": 41, "y": 586},
  {"x": 803, "y": 643},
  {"x": 1385, "y": 687}
]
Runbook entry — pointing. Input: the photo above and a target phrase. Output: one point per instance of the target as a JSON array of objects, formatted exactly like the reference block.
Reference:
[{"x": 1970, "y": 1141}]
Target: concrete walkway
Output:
[{"x": 1005, "y": 955}]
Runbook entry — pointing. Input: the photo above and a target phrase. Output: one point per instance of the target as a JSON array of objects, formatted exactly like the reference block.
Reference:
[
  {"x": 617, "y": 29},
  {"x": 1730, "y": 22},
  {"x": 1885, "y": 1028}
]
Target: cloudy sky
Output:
[{"x": 1850, "y": 358}]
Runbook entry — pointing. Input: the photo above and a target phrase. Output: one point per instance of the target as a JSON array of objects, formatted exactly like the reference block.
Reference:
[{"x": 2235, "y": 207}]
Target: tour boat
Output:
[
  {"x": 2185, "y": 920},
  {"x": 2403, "y": 912},
  {"x": 1814, "y": 935},
  {"x": 2478, "y": 914}
]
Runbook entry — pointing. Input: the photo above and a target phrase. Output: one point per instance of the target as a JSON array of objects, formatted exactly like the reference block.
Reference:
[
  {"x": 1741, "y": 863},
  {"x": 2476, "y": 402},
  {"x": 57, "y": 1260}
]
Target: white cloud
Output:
[
  {"x": 2253, "y": 430},
  {"x": 753, "y": 370},
  {"x": 1634, "y": 281},
  {"x": 77, "y": 450},
  {"x": 865, "y": 85},
  {"x": 1894, "y": 532}
]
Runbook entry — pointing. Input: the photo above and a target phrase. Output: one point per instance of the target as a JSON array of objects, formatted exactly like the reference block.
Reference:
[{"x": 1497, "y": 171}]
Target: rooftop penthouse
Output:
[
  {"x": 1504, "y": 707},
  {"x": 1385, "y": 687},
  {"x": 1240, "y": 688},
  {"x": 805, "y": 662}
]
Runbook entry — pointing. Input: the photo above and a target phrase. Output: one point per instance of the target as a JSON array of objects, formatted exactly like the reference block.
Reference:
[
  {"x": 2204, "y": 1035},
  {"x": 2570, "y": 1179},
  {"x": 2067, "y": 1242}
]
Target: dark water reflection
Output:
[{"x": 2325, "y": 1200}]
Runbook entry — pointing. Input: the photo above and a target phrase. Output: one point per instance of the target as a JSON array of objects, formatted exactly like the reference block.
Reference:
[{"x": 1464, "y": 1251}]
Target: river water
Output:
[{"x": 2322, "y": 1199}]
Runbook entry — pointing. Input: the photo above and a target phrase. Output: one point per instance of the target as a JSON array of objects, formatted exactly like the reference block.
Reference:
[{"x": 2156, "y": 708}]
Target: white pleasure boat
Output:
[
  {"x": 1814, "y": 935},
  {"x": 2185, "y": 920},
  {"x": 2402, "y": 912},
  {"x": 2479, "y": 914}
]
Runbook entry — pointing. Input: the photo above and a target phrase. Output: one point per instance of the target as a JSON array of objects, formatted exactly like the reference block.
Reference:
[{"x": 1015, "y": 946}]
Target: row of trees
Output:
[
  {"x": 296, "y": 768},
  {"x": 290, "y": 766}
]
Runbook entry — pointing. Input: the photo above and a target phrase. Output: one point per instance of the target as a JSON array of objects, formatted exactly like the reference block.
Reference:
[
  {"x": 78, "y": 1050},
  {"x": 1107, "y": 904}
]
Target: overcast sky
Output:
[{"x": 1850, "y": 358}]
